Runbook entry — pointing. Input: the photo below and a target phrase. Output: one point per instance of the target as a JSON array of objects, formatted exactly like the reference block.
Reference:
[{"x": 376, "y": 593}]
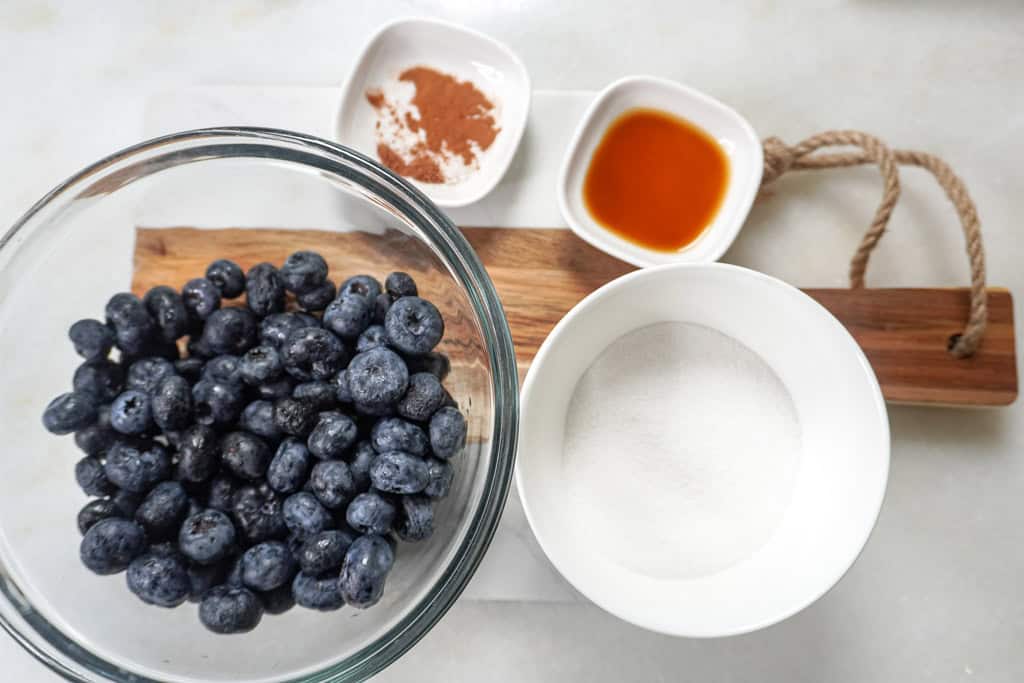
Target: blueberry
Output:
[
  {"x": 366, "y": 566},
  {"x": 227, "y": 277},
  {"x": 279, "y": 600},
  {"x": 133, "y": 328},
  {"x": 216, "y": 402},
  {"x": 137, "y": 467},
  {"x": 414, "y": 325},
  {"x": 194, "y": 507},
  {"x": 198, "y": 453},
  {"x": 158, "y": 580},
  {"x": 126, "y": 503},
  {"x": 395, "y": 434},
  {"x": 229, "y": 330},
  {"x": 99, "y": 437},
  {"x": 318, "y": 393},
  {"x": 399, "y": 284},
  {"x": 268, "y": 565},
  {"x": 189, "y": 368},
  {"x": 145, "y": 374},
  {"x": 423, "y": 398},
  {"x": 234, "y": 574},
  {"x": 416, "y": 521},
  {"x": 197, "y": 349},
  {"x": 208, "y": 537},
  {"x": 334, "y": 433},
  {"x": 348, "y": 315},
  {"x": 167, "y": 309},
  {"x": 154, "y": 348},
  {"x": 172, "y": 437},
  {"x": 342, "y": 392},
  {"x": 377, "y": 377},
  {"x": 95, "y": 511},
  {"x": 101, "y": 378},
  {"x": 230, "y": 610},
  {"x": 259, "y": 514},
  {"x": 163, "y": 510},
  {"x": 317, "y": 592},
  {"x": 275, "y": 328},
  {"x": 261, "y": 364},
  {"x": 202, "y": 578},
  {"x": 372, "y": 337},
  {"x": 398, "y": 472},
  {"x": 70, "y": 412},
  {"x": 258, "y": 418},
  {"x": 91, "y": 478},
  {"x": 224, "y": 368},
  {"x": 245, "y": 455},
  {"x": 222, "y": 492},
  {"x": 437, "y": 364},
  {"x": 295, "y": 543},
  {"x": 201, "y": 298},
  {"x": 361, "y": 285},
  {"x": 375, "y": 409},
  {"x": 91, "y": 338},
  {"x": 264, "y": 290},
  {"x": 290, "y": 466},
  {"x": 380, "y": 308},
  {"x": 304, "y": 515},
  {"x": 441, "y": 475},
  {"x": 332, "y": 483},
  {"x": 165, "y": 549},
  {"x": 279, "y": 388},
  {"x": 293, "y": 416},
  {"x": 370, "y": 513},
  {"x": 447, "y": 432},
  {"x": 172, "y": 403},
  {"x": 324, "y": 551},
  {"x": 361, "y": 463},
  {"x": 132, "y": 412},
  {"x": 312, "y": 353},
  {"x": 317, "y": 298},
  {"x": 303, "y": 271},
  {"x": 110, "y": 545}
]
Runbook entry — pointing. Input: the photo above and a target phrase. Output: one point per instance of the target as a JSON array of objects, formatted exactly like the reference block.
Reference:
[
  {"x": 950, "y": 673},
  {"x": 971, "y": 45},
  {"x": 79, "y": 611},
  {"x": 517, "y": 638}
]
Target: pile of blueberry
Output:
[{"x": 274, "y": 463}]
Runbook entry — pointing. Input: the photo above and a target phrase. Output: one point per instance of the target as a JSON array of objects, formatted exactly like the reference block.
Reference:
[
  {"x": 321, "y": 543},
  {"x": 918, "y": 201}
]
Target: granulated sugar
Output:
[{"x": 681, "y": 447}]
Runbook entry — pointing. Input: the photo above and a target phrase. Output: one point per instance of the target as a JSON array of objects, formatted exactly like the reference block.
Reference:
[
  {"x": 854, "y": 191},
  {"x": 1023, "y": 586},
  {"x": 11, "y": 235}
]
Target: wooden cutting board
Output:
[{"x": 541, "y": 273}]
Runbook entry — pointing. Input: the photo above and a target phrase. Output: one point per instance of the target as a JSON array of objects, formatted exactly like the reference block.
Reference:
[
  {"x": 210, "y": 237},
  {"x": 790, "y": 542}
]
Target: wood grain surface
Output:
[{"x": 542, "y": 273}]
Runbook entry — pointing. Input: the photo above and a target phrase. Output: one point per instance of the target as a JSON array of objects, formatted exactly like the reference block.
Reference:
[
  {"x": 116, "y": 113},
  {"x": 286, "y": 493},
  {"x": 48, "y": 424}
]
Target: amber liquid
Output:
[{"x": 656, "y": 180}]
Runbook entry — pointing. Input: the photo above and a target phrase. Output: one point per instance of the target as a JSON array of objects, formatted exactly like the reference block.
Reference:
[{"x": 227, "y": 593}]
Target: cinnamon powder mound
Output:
[
  {"x": 437, "y": 135},
  {"x": 422, "y": 167}
]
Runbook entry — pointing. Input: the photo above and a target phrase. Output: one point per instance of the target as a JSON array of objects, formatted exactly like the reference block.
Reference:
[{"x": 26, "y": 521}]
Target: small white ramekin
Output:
[
  {"x": 732, "y": 132},
  {"x": 457, "y": 50}
]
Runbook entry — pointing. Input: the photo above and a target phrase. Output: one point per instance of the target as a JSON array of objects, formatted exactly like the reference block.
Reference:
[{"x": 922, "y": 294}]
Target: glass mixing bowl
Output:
[{"x": 80, "y": 244}]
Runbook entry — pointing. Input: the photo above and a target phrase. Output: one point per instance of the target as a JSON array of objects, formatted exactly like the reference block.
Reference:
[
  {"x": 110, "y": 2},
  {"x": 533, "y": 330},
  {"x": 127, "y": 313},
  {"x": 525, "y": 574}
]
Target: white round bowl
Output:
[{"x": 840, "y": 473}]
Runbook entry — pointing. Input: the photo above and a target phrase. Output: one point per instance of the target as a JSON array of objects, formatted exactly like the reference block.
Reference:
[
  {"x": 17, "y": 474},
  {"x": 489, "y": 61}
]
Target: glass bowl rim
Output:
[{"x": 62, "y": 655}]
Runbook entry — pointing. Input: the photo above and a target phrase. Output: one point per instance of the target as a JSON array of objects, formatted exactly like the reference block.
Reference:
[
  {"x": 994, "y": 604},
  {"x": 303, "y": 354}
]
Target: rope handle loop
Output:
[{"x": 780, "y": 158}]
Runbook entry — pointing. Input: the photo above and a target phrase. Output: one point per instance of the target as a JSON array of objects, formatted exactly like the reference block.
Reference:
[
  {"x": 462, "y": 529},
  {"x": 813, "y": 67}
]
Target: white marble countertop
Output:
[{"x": 936, "y": 595}]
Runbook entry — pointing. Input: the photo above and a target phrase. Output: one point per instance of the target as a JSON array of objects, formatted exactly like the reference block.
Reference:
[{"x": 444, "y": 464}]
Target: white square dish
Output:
[
  {"x": 733, "y": 133},
  {"x": 463, "y": 53}
]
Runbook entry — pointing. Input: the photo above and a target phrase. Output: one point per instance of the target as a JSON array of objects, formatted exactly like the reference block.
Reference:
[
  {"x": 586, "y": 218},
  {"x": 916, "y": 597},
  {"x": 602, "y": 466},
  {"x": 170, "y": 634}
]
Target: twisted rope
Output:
[{"x": 780, "y": 158}]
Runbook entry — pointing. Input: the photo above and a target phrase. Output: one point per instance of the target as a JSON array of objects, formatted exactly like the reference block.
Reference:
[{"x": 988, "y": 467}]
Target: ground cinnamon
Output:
[
  {"x": 439, "y": 134},
  {"x": 422, "y": 167}
]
